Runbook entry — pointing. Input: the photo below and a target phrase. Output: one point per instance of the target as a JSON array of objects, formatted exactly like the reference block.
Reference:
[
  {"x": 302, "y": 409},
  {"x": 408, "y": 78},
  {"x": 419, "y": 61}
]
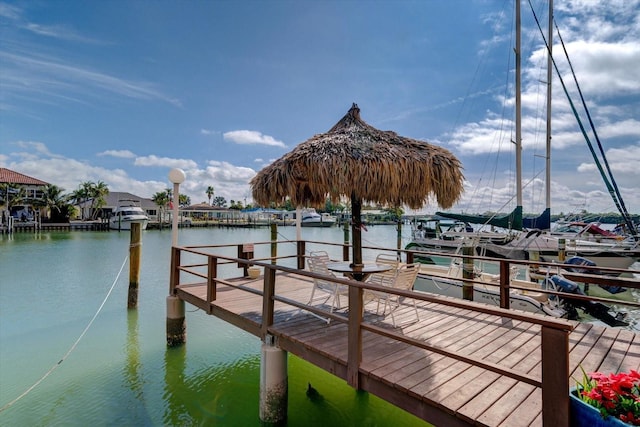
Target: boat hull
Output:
[
  {"x": 126, "y": 224},
  {"x": 318, "y": 224},
  {"x": 483, "y": 294}
]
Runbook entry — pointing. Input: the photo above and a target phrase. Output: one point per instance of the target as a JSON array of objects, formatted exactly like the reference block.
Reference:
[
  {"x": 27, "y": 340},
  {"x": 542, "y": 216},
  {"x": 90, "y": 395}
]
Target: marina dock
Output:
[{"x": 460, "y": 363}]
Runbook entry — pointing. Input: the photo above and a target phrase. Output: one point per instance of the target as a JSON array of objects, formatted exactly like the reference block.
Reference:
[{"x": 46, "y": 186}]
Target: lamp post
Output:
[
  {"x": 176, "y": 326},
  {"x": 177, "y": 177}
]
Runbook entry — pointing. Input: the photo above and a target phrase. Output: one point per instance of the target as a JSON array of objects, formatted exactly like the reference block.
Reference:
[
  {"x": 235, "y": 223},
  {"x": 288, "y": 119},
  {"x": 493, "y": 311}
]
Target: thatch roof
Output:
[{"x": 356, "y": 159}]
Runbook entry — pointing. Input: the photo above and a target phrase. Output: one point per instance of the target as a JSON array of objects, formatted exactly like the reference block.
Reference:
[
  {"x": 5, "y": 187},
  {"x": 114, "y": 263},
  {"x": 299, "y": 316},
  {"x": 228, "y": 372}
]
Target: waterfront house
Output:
[{"x": 33, "y": 189}]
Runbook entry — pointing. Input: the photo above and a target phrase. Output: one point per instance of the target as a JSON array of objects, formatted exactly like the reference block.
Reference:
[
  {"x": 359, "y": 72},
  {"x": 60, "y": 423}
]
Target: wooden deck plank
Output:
[
  {"x": 592, "y": 360},
  {"x": 506, "y": 404},
  {"x": 506, "y": 342},
  {"x": 372, "y": 362},
  {"x": 461, "y": 375},
  {"x": 614, "y": 358},
  {"x": 480, "y": 331},
  {"x": 485, "y": 398},
  {"x": 462, "y": 396},
  {"x": 427, "y": 387},
  {"x": 632, "y": 358},
  {"x": 425, "y": 374},
  {"x": 527, "y": 413}
]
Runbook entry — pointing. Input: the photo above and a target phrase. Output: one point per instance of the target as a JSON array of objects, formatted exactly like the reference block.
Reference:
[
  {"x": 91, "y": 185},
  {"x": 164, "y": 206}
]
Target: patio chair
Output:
[
  {"x": 324, "y": 290},
  {"x": 404, "y": 278},
  {"x": 385, "y": 278}
]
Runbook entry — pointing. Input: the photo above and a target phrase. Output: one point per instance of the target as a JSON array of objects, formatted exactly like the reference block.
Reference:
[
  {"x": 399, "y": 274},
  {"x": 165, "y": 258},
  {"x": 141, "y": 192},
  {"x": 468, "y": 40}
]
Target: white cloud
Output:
[
  {"x": 252, "y": 137},
  {"x": 125, "y": 154},
  {"x": 229, "y": 181},
  {"x": 153, "y": 160}
]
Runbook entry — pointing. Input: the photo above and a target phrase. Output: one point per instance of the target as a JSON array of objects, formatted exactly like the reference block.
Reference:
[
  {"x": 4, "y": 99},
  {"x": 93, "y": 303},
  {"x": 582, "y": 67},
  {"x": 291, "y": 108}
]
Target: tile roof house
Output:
[
  {"x": 32, "y": 186},
  {"x": 33, "y": 190},
  {"x": 7, "y": 176}
]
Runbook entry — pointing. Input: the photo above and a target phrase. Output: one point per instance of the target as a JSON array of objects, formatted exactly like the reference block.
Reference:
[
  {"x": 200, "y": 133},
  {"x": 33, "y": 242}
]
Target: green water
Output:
[{"x": 119, "y": 372}]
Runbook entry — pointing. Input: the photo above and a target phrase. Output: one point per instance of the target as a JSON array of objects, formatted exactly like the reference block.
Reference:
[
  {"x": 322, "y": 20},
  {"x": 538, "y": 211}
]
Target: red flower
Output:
[{"x": 616, "y": 394}]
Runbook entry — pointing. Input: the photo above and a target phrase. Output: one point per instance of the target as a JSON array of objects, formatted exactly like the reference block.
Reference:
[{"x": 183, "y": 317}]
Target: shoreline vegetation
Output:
[{"x": 249, "y": 222}]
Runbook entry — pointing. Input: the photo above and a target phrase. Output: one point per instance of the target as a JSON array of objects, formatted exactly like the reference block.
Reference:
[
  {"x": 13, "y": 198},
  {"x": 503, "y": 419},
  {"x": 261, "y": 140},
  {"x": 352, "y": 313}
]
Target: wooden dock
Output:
[{"x": 461, "y": 363}]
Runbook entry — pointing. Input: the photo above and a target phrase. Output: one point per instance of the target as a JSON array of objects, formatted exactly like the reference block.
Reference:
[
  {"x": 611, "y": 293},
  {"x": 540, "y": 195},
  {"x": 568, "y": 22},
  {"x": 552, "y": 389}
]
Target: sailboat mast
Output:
[
  {"x": 518, "y": 141},
  {"x": 549, "y": 78}
]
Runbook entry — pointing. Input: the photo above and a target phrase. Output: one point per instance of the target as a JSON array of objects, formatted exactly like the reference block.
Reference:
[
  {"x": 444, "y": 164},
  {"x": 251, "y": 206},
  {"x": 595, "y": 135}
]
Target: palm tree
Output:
[
  {"x": 161, "y": 198},
  {"x": 99, "y": 191},
  {"x": 184, "y": 200},
  {"x": 55, "y": 203},
  {"x": 209, "y": 192},
  {"x": 13, "y": 195}
]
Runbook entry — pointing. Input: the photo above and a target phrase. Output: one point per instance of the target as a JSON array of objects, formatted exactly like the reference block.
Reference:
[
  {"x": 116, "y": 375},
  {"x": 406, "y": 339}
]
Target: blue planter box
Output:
[{"x": 585, "y": 415}]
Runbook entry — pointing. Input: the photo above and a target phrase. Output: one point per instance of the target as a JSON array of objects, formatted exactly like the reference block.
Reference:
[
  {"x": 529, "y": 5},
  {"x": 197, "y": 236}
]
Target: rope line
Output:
[{"x": 73, "y": 347}]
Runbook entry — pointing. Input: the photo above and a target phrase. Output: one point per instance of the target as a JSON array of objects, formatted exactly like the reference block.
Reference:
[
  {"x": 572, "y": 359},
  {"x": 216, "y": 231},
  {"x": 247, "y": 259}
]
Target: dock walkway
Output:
[{"x": 460, "y": 364}]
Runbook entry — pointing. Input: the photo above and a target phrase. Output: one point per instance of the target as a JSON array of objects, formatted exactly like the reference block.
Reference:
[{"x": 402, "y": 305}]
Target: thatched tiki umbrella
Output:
[{"x": 359, "y": 161}]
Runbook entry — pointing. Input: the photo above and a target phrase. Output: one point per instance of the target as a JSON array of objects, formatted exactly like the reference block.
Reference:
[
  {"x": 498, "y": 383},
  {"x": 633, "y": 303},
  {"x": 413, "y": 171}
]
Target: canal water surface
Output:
[{"x": 72, "y": 354}]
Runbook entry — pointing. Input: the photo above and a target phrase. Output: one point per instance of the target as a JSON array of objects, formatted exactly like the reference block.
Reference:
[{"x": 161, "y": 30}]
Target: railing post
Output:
[
  {"x": 409, "y": 257},
  {"x": 555, "y": 377},
  {"x": 174, "y": 278},
  {"x": 505, "y": 279},
  {"x": 354, "y": 342},
  {"x": 212, "y": 273},
  {"x": 467, "y": 273},
  {"x": 269, "y": 285},
  {"x": 301, "y": 251},
  {"x": 274, "y": 242},
  {"x": 345, "y": 246},
  {"x": 245, "y": 251}
]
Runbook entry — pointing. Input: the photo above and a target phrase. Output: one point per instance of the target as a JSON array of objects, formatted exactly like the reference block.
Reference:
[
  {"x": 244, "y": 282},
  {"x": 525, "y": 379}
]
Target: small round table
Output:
[{"x": 357, "y": 272}]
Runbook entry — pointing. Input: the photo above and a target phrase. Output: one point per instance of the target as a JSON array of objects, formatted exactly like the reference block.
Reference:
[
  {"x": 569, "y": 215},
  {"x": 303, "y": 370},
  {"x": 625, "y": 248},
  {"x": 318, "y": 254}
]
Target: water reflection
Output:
[{"x": 133, "y": 368}]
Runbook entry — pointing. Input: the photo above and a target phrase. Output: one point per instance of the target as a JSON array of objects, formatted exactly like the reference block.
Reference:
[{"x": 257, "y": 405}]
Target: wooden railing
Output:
[{"x": 554, "y": 332}]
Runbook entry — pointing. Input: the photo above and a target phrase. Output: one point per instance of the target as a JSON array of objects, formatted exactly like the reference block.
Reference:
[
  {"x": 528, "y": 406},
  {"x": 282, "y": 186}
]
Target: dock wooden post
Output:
[
  {"x": 399, "y": 238},
  {"x": 467, "y": 273},
  {"x": 301, "y": 251},
  {"x": 273, "y": 382},
  {"x": 176, "y": 326},
  {"x": 562, "y": 246},
  {"x": 134, "y": 265},
  {"x": 345, "y": 246},
  {"x": 274, "y": 242}
]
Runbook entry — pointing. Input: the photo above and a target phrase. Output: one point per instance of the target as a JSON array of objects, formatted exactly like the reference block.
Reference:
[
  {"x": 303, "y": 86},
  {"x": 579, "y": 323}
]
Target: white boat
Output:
[
  {"x": 311, "y": 218},
  {"x": 127, "y": 213},
  {"x": 447, "y": 281}
]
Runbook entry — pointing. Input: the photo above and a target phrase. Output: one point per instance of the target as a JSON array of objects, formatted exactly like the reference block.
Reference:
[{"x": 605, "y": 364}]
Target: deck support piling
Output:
[
  {"x": 273, "y": 382},
  {"x": 176, "y": 325},
  {"x": 562, "y": 246}
]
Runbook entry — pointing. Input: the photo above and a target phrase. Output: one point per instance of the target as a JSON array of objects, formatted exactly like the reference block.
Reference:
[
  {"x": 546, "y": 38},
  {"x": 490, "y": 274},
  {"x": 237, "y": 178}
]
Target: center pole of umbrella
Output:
[{"x": 356, "y": 229}]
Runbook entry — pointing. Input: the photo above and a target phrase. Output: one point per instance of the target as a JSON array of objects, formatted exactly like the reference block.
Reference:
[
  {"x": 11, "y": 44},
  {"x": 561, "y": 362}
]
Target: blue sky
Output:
[{"x": 123, "y": 91}]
